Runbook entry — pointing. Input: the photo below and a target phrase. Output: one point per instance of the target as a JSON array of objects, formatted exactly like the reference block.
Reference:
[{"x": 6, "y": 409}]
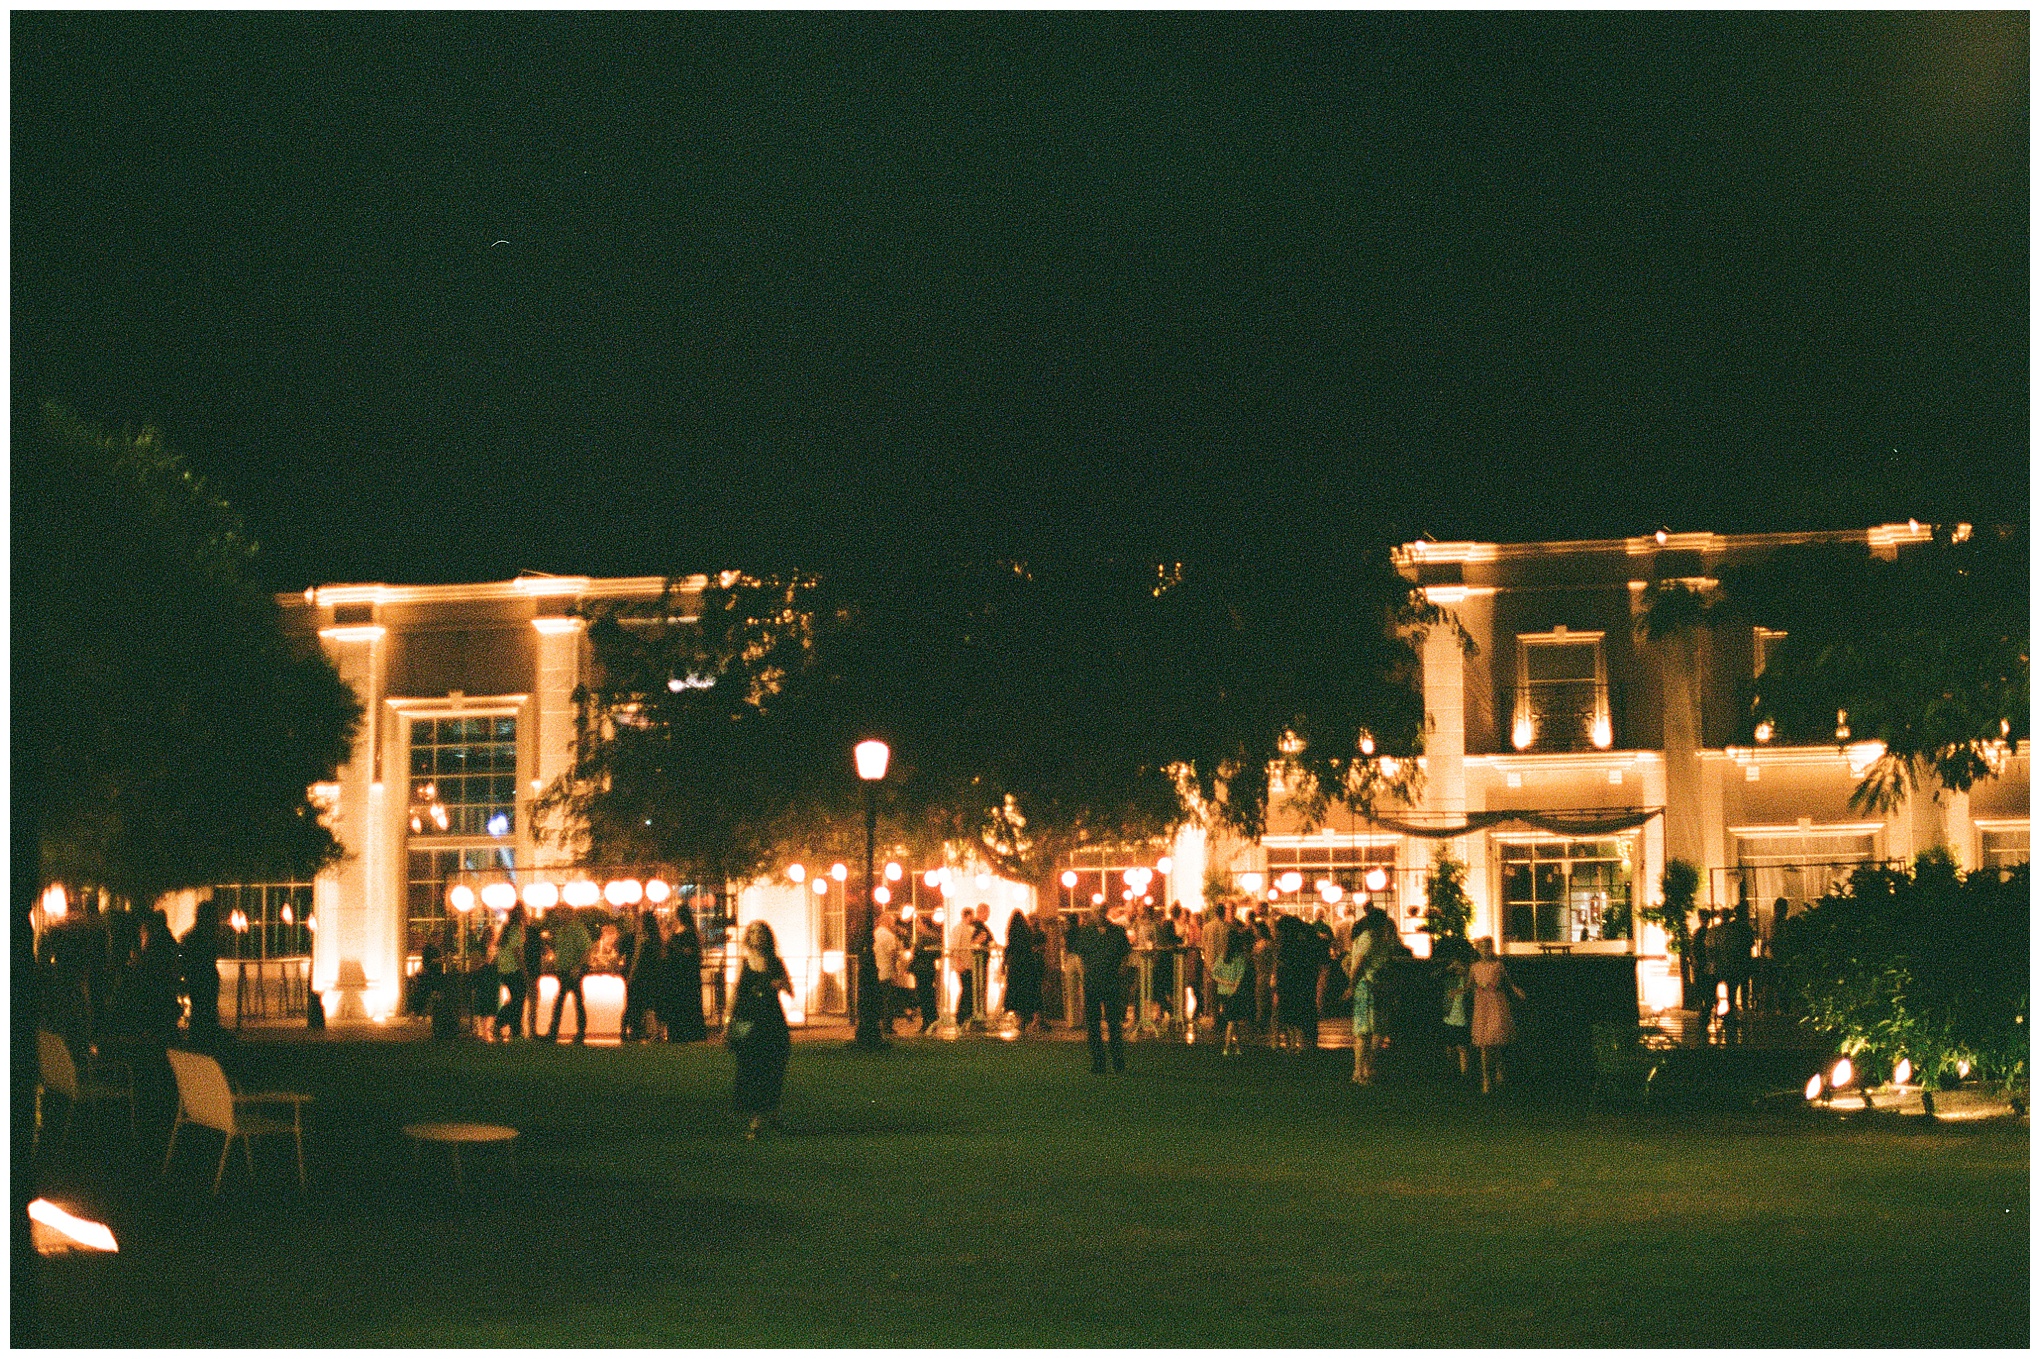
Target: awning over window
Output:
[{"x": 1452, "y": 825}]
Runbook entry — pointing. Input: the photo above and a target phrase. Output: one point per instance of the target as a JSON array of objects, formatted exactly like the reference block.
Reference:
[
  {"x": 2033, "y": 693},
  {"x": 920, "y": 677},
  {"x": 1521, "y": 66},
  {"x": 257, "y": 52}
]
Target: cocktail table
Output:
[{"x": 454, "y": 1136}]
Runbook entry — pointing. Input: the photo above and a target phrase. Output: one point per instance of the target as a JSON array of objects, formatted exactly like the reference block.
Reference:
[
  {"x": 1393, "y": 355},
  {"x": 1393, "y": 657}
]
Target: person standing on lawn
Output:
[
  {"x": 1023, "y": 971},
  {"x": 1494, "y": 1020},
  {"x": 641, "y": 979},
  {"x": 570, "y": 947},
  {"x": 757, "y": 1033},
  {"x": 679, "y": 998},
  {"x": 1366, "y": 960},
  {"x": 200, "y": 956},
  {"x": 926, "y": 967},
  {"x": 1230, "y": 984},
  {"x": 509, "y": 974},
  {"x": 885, "y": 953},
  {"x": 1102, "y": 947}
]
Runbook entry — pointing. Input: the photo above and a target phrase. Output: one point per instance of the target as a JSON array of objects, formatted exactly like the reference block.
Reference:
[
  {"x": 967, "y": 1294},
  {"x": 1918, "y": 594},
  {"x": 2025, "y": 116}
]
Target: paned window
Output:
[
  {"x": 1561, "y": 700},
  {"x": 1564, "y": 891},
  {"x": 427, "y": 873},
  {"x": 1764, "y": 645},
  {"x": 1345, "y": 863},
  {"x": 464, "y": 776},
  {"x": 275, "y": 914},
  {"x": 2003, "y": 847}
]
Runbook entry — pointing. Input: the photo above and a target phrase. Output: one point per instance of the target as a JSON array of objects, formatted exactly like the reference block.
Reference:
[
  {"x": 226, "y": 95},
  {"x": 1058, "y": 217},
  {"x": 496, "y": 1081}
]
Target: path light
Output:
[
  {"x": 541, "y": 896},
  {"x": 1844, "y": 1072},
  {"x": 55, "y": 1231},
  {"x": 1962, "y": 1069},
  {"x": 1813, "y": 1086},
  {"x": 1902, "y": 1073}
]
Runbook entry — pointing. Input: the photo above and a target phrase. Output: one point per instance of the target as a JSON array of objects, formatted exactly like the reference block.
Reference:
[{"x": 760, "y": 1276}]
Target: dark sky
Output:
[{"x": 787, "y": 286}]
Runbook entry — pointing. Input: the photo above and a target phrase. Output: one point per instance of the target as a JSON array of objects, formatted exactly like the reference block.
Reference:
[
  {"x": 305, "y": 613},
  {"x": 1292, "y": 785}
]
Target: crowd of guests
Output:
[
  {"x": 659, "y": 961},
  {"x": 124, "y": 976}
]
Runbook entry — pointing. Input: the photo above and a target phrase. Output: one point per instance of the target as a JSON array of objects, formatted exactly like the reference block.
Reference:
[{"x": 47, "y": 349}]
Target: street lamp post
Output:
[{"x": 872, "y": 758}]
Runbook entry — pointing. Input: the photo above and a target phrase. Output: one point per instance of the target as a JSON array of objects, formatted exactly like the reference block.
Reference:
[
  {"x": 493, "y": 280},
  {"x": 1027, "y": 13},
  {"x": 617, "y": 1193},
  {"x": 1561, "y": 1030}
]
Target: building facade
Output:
[{"x": 1566, "y": 761}]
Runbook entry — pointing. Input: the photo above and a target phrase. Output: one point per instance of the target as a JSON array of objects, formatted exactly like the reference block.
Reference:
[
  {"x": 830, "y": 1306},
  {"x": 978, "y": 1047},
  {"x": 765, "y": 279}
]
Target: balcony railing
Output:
[{"x": 1560, "y": 715}]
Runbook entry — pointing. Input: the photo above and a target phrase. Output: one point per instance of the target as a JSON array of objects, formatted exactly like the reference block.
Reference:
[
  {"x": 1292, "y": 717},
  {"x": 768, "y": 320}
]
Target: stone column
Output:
[
  {"x": 559, "y": 671},
  {"x": 343, "y": 896}
]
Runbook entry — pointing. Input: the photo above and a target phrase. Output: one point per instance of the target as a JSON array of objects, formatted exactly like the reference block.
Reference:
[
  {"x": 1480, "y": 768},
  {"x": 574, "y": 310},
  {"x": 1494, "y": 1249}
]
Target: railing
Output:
[{"x": 1564, "y": 716}]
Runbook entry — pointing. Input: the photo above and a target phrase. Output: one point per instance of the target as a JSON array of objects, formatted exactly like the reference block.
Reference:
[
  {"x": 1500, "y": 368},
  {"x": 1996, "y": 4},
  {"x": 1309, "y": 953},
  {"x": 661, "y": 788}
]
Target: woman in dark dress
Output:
[
  {"x": 757, "y": 1032},
  {"x": 1023, "y": 971},
  {"x": 927, "y": 961},
  {"x": 680, "y": 982},
  {"x": 641, "y": 979},
  {"x": 200, "y": 957}
]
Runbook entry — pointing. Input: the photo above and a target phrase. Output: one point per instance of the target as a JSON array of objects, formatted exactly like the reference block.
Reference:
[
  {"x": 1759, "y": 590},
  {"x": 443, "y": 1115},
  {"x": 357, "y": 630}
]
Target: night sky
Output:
[{"x": 778, "y": 288}]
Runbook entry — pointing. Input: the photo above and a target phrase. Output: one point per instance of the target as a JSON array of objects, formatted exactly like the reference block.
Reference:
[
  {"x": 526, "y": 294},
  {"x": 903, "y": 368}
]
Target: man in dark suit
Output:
[{"x": 1102, "y": 947}]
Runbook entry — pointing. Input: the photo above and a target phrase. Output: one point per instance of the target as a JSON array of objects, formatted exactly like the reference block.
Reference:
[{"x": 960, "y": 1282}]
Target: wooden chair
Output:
[
  {"x": 58, "y": 1075},
  {"x": 205, "y": 1098}
]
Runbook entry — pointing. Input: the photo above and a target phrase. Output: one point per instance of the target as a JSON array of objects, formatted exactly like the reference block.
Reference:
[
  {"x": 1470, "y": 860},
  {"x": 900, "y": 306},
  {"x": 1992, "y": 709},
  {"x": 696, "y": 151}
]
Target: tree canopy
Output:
[
  {"x": 174, "y": 731},
  {"x": 1927, "y": 655},
  {"x": 1030, "y": 708}
]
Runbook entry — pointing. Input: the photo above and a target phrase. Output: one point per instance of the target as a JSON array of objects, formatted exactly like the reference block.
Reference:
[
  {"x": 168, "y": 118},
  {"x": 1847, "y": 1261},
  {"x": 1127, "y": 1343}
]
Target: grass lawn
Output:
[{"x": 985, "y": 1194}]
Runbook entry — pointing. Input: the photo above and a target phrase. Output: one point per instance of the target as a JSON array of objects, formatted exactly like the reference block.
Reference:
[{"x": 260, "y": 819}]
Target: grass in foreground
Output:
[{"x": 982, "y": 1194}]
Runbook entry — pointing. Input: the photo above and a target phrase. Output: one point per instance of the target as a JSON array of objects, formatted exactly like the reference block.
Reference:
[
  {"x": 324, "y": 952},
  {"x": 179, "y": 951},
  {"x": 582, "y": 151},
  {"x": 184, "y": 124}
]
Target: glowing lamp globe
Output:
[
  {"x": 1290, "y": 881},
  {"x": 893, "y": 872},
  {"x": 657, "y": 890},
  {"x": 839, "y": 871},
  {"x": 1165, "y": 865},
  {"x": 541, "y": 896},
  {"x": 581, "y": 892},
  {"x": 1251, "y": 882},
  {"x": 1377, "y": 878},
  {"x": 1069, "y": 877},
  {"x": 882, "y": 894},
  {"x": 796, "y": 873},
  {"x": 932, "y": 878},
  {"x": 821, "y": 887},
  {"x": 872, "y": 758},
  {"x": 499, "y": 896},
  {"x": 461, "y": 897}
]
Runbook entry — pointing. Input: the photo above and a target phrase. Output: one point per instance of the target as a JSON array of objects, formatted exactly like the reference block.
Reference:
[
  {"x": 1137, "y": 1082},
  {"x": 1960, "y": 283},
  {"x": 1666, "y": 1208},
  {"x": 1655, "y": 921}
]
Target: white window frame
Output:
[{"x": 1559, "y": 636}]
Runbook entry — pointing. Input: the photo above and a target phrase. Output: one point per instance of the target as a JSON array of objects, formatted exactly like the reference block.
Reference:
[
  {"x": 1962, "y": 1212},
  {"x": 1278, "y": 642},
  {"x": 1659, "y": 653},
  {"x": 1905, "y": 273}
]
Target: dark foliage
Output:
[
  {"x": 1926, "y": 963},
  {"x": 177, "y": 731}
]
